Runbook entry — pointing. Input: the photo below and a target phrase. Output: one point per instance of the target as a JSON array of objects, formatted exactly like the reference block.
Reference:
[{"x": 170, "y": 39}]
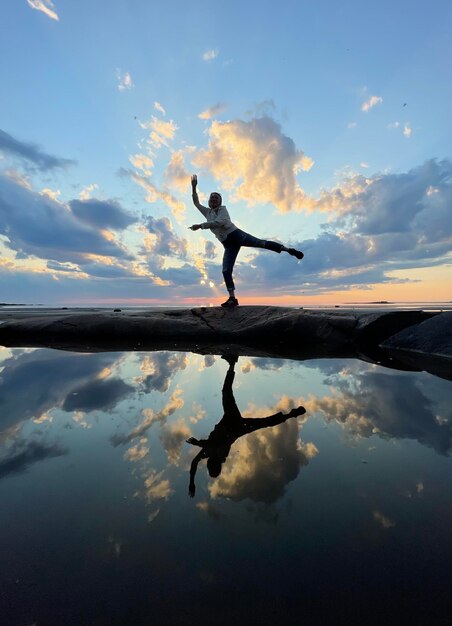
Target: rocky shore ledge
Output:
[{"x": 413, "y": 340}]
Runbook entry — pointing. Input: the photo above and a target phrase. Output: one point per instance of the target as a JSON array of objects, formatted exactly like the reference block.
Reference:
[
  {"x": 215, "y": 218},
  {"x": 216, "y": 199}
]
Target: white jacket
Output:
[{"x": 218, "y": 220}]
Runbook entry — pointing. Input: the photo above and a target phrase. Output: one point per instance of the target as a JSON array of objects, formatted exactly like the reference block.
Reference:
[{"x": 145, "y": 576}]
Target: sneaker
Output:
[
  {"x": 231, "y": 302},
  {"x": 296, "y": 253}
]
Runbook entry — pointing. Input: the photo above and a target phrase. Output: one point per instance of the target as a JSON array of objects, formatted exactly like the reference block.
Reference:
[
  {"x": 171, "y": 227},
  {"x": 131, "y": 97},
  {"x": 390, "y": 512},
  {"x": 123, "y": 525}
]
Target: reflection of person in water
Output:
[
  {"x": 232, "y": 426},
  {"x": 232, "y": 238}
]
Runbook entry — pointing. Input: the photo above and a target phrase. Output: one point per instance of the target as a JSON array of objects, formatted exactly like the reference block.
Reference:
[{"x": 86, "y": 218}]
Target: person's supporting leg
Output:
[{"x": 229, "y": 257}]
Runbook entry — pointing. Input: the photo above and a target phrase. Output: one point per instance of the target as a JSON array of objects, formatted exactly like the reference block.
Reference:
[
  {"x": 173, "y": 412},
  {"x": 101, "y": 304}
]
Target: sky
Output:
[{"x": 325, "y": 126}]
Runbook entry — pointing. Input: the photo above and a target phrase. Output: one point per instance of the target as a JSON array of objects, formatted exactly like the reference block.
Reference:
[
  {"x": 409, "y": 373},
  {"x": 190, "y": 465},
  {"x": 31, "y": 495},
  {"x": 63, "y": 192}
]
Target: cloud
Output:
[
  {"x": 36, "y": 225},
  {"x": 371, "y": 102},
  {"x": 407, "y": 131},
  {"x": 102, "y": 213},
  {"x": 210, "y": 55},
  {"x": 379, "y": 225},
  {"x": 172, "y": 437},
  {"x": 45, "y": 6},
  {"x": 85, "y": 193},
  {"x": 158, "y": 107},
  {"x": 176, "y": 173},
  {"x": 137, "y": 452},
  {"x": 21, "y": 455},
  {"x": 393, "y": 125},
  {"x": 175, "y": 402},
  {"x": 384, "y": 521},
  {"x": 257, "y": 161},
  {"x": 262, "y": 464},
  {"x": 124, "y": 80},
  {"x": 208, "y": 508},
  {"x": 163, "y": 240},
  {"x": 352, "y": 125},
  {"x": 142, "y": 162},
  {"x": 31, "y": 152},
  {"x": 154, "y": 194},
  {"x": 97, "y": 395},
  {"x": 212, "y": 111},
  {"x": 210, "y": 250},
  {"x": 375, "y": 403},
  {"x": 159, "y": 369},
  {"x": 161, "y": 132},
  {"x": 50, "y": 378}
]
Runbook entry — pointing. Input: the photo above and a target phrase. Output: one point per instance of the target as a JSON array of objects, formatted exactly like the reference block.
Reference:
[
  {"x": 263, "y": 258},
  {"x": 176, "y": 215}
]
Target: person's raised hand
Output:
[
  {"x": 192, "y": 440},
  {"x": 195, "y": 227},
  {"x": 194, "y": 181},
  {"x": 191, "y": 490}
]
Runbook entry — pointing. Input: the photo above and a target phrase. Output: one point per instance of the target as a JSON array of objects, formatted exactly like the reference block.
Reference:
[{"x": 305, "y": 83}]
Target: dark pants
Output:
[{"x": 232, "y": 244}]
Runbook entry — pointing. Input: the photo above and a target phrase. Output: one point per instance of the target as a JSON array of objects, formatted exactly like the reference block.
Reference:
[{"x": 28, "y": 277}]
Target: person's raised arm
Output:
[
  {"x": 193, "y": 468},
  {"x": 194, "y": 195}
]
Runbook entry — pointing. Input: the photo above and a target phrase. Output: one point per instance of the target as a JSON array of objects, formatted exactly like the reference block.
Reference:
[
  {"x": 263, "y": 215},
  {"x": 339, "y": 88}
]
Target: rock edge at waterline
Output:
[{"x": 399, "y": 339}]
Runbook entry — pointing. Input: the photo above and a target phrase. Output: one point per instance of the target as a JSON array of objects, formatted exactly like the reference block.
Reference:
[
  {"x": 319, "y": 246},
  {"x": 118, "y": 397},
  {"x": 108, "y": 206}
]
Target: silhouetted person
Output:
[
  {"x": 232, "y": 238},
  {"x": 232, "y": 426}
]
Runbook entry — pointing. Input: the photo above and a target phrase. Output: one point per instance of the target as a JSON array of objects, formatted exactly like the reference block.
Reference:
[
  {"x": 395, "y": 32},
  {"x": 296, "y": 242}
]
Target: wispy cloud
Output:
[
  {"x": 154, "y": 194},
  {"x": 85, "y": 193},
  {"x": 212, "y": 111},
  {"x": 161, "y": 132},
  {"x": 407, "y": 131},
  {"x": 31, "y": 152},
  {"x": 210, "y": 55},
  {"x": 176, "y": 173},
  {"x": 371, "y": 102},
  {"x": 158, "y": 107},
  {"x": 142, "y": 162},
  {"x": 124, "y": 80},
  {"x": 45, "y": 6},
  {"x": 352, "y": 125},
  {"x": 393, "y": 125}
]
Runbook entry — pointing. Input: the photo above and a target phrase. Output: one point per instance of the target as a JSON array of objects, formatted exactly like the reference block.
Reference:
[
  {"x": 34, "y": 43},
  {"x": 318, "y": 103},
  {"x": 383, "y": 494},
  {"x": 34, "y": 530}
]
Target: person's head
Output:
[
  {"x": 215, "y": 200},
  {"x": 214, "y": 466}
]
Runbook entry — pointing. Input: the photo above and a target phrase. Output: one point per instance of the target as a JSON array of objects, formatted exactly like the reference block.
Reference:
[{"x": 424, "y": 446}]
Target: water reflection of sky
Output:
[{"x": 345, "y": 506}]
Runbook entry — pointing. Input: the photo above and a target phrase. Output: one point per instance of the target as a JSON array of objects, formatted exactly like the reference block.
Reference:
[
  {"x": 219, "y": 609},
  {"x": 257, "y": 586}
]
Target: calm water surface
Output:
[{"x": 343, "y": 512}]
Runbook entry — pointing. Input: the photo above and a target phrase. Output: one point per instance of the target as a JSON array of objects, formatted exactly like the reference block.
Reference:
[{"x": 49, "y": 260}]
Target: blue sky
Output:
[{"x": 325, "y": 125}]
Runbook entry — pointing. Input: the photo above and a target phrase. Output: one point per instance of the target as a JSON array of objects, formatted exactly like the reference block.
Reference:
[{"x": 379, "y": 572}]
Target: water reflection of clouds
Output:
[
  {"x": 21, "y": 454},
  {"x": 150, "y": 417},
  {"x": 262, "y": 464},
  {"x": 35, "y": 382},
  {"x": 391, "y": 405},
  {"x": 97, "y": 395},
  {"x": 173, "y": 436},
  {"x": 159, "y": 368},
  {"x": 366, "y": 399}
]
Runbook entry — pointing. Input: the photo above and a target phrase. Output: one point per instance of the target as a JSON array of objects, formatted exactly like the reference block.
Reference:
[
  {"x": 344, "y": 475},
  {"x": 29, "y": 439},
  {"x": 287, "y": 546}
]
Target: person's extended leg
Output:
[
  {"x": 229, "y": 257},
  {"x": 250, "y": 241}
]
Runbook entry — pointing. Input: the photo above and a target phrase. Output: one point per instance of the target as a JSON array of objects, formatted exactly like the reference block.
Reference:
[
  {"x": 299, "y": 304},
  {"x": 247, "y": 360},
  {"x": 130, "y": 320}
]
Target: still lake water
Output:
[{"x": 344, "y": 512}]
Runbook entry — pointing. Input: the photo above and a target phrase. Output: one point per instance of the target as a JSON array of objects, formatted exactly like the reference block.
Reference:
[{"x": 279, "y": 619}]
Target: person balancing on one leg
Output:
[{"x": 232, "y": 238}]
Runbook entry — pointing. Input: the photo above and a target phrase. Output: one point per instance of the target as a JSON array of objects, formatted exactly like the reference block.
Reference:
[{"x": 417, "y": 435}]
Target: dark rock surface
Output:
[
  {"x": 428, "y": 344},
  {"x": 247, "y": 330},
  {"x": 432, "y": 337}
]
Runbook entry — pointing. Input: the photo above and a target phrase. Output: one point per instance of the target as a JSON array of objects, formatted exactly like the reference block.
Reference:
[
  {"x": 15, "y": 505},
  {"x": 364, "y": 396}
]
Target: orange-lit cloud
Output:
[
  {"x": 256, "y": 161},
  {"x": 371, "y": 102},
  {"x": 45, "y": 6},
  {"x": 212, "y": 111}
]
